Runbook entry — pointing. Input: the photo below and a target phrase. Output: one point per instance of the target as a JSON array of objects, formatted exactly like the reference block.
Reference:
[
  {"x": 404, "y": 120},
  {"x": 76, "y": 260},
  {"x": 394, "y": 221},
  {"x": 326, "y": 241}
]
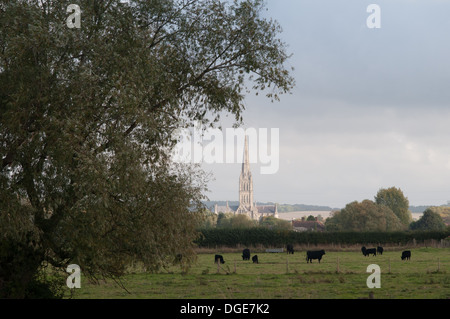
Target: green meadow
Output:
[{"x": 340, "y": 275}]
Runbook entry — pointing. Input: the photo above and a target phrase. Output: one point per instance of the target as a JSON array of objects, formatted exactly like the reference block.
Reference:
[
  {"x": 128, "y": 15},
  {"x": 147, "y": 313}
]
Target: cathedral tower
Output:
[{"x": 246, "y": 204}]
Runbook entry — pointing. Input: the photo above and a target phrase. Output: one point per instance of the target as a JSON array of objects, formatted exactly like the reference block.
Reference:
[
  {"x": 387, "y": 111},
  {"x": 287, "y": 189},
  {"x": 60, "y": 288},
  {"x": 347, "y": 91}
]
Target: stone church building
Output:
[{"x": 247, "y": 206}]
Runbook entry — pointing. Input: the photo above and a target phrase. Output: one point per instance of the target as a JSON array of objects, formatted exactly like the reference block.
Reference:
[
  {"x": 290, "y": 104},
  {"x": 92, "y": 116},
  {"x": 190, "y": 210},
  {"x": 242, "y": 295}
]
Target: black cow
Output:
[
  {"x": 255, "y": 259},
  {"x": 380, "y": 250},
  {"x": 246, "y": 254},
  {"x": 290, "y": 249},
  {"x": 219, "y": 257},
  {"x": 372, "y": 251},
  {"x": 310, "y": 255},
  {"x": 367, "y": 252},
  {"x": 406, "y": 255}
]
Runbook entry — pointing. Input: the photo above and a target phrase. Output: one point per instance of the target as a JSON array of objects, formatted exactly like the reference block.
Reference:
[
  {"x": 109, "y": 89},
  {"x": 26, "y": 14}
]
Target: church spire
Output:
[
  {"x": 246, "y": 182},
  {"x": 247, "y": 205},
  {"x": 246, "y": 162}
]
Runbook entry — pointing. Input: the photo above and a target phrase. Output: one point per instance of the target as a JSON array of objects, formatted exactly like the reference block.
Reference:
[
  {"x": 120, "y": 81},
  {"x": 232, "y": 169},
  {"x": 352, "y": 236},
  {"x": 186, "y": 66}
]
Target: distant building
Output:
[
  {"x": 224, "y": 209},
  {"x": 301, "y": 225},
  {"x": 246, "y": 204}
]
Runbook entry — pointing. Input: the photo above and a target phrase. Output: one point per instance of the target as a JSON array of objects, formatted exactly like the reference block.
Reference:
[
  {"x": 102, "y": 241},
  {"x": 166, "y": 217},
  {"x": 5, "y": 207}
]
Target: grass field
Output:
[{"x": 282, "y": 276}]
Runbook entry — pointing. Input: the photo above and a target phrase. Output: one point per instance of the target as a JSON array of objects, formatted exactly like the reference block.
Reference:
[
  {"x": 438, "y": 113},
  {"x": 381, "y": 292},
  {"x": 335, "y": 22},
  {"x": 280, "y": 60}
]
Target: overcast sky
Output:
[{"x": 370, "y": 110}]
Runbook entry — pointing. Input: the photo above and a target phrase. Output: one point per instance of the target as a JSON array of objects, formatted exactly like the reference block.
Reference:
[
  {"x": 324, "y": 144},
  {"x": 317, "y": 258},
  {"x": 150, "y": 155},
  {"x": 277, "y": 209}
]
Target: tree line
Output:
[{"x": 388, "y": 212}]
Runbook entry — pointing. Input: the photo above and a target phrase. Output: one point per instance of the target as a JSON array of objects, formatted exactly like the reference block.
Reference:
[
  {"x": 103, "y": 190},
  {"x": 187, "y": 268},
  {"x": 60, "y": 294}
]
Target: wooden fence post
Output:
[
  {"x": 389, "y": 259},
  {"x": 287, "y": 265},
  {"x": 337, "y": 269}
]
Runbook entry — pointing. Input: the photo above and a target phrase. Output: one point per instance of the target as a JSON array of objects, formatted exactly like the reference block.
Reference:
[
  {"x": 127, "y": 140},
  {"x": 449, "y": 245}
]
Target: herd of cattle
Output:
[{"x": 310, "y": 255}]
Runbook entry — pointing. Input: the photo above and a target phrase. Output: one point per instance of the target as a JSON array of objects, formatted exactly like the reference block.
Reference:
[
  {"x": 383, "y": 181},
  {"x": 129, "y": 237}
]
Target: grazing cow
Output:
[
  {"x": 372, "y": 251},
  {"x": 290, "y": 249},
  {"x": 246, "y": 254},
  {"x": 380, "y": 250},
  {"x": 363, "y": 250},
  {"x": 310, "y": 255},
  {"x": 255, "y": 259},
  {"x": 406, "y": 255},
  {"x": 367, "y": 252},
  {"x": 219, "y": 258}
]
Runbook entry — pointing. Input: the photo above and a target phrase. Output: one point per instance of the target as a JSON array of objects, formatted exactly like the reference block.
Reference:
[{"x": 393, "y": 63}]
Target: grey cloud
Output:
[
  {"x": 370, "y": 110},
  {"x": 403, "y": 64}
]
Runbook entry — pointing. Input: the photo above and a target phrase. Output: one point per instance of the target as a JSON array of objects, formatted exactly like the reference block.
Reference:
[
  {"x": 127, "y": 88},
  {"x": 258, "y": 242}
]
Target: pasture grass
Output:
[{"x": 282, "y": 276}]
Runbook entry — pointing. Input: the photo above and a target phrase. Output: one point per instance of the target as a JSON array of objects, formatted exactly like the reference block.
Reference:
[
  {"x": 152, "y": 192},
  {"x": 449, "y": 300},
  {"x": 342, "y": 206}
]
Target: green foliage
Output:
[
  {"x": 364, "y": 216},
  {"x": 397, "y": 202},
  {"x": 231, "y": 221},
  {"x": 239, "y": 221},
  {"x": 275, "y": 223},
  {"x": 389, "y": 212},
  {"x": 430, "y": 220},
  {"x": 207, "y": 219},
  {"x": 21, "y": 275},
  {"x": 443, "y": 211}
]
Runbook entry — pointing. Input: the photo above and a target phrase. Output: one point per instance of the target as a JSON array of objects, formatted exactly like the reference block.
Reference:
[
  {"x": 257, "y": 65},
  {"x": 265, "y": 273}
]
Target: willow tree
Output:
[{"x": 88, "y": 103}]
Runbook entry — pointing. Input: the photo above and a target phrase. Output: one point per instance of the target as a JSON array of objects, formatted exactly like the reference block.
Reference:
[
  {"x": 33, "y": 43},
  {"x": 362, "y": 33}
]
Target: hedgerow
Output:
[{"x": 272, "y": 238}]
